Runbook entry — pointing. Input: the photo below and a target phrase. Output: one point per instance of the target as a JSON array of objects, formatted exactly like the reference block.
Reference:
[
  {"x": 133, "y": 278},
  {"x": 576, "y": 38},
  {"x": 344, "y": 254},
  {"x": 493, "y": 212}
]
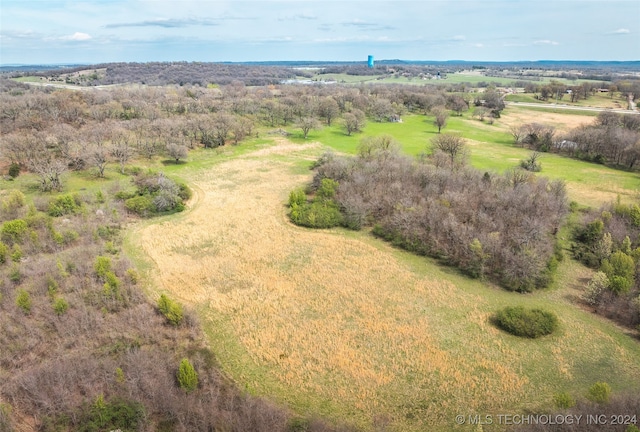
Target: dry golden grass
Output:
[
  {"x": 336, "y": 320},
  {"x": 563, "y": 122}
]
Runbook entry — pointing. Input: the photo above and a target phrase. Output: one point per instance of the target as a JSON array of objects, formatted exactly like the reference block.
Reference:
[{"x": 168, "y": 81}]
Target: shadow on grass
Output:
[{"x": 173, "y": 162}]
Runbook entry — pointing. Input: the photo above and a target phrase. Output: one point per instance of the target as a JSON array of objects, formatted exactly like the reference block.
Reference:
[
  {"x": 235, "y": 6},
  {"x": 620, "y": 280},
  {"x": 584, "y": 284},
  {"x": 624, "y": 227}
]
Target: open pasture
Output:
[
  {"x": 491, "y": 149},
  {"x": 338, "y": 323}
]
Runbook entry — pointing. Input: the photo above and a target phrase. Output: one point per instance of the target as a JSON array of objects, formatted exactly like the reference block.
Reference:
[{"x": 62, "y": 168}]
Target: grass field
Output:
[
  {"x": 340, "y": 324},
  {"x": 491, "y": 149}
]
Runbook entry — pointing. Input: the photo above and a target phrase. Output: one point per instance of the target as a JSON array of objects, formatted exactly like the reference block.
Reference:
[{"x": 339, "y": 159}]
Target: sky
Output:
[{"x": 53, "y": 31}]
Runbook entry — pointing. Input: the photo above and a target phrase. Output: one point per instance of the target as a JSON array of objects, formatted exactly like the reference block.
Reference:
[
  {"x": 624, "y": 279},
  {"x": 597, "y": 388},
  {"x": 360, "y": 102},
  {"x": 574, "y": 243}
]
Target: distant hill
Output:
[{"x": 275, "y": 72}]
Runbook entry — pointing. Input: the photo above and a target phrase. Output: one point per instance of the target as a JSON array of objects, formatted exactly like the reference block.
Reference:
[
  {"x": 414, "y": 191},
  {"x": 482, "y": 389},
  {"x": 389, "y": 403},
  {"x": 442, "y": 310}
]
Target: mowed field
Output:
[{"x": 339, "y": 324}]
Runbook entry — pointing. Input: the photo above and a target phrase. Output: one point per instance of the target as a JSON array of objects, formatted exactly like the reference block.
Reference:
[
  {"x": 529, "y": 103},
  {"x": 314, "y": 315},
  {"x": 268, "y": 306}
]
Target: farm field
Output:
[{"x": 340, "y": 324}]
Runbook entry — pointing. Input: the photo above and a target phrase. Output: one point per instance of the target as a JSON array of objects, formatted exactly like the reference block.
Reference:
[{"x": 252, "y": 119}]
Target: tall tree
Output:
[
  {"x": 328, "y": 109},
  {"x": 440, "y": 116},
  {"x": 454, "y": 146}
]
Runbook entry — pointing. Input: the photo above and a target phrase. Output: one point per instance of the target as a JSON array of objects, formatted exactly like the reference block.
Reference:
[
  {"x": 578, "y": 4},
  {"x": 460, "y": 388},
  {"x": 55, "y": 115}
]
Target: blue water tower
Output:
[{"x": 370, "y": 61}]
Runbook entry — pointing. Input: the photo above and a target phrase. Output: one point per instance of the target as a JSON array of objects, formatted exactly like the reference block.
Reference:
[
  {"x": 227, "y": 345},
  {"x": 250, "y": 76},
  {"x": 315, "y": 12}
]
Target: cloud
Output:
[
  {"x": 545, "y": 42},
  {"x": 459, "y": 38},
  {"x": 167, "y": 23},
  {"x": 300, "y": 16},
  {"x": 620, "y": 31},
  {"x": 478, "y": 45},
  {"x": 306, "y": 16},
  {"x": 364, "y": 25},
  {"x": 28, "y": 34},
  {"x": 77, "y": 36}
]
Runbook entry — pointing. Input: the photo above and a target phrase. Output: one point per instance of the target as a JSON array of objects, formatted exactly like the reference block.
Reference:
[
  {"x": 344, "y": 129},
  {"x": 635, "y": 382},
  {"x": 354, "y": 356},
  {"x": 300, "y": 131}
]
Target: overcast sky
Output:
[{"x": 52, "y": 31}]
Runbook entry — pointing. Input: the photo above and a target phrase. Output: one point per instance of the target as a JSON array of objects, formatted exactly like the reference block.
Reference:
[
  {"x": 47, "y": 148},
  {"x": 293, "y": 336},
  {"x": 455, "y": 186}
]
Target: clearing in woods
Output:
[{"x": 339, "y": 324}]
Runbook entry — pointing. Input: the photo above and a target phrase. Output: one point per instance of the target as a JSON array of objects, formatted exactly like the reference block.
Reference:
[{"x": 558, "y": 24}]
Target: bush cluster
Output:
[
  {"x": 171, "y": 310},
  {"x": 64, "y": 205},
  {"x": 499, "y": 227},
  {"x": 608, "y": 240},
  {"x": 530, "y": 323},
  {"x": 321, "y": 212},
  {"x": 155, "y": 193}
]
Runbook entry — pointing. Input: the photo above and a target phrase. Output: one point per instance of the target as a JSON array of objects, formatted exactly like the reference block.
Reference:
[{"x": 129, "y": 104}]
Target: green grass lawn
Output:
[{"x": 491, "y": 149}]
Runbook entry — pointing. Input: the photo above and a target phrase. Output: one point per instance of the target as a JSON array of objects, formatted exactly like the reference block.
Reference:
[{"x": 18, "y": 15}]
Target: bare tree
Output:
[
  {"x": 381, "y": 109},
  {"x": 453, "y": 146},
  {"x": 328, "y": 109},
  {"x": 121, "y": 148},
  {"x": 354, "y": 121},
  {"x": 221, "y": 126},
  {"x": 516, "y": 132},
  {"x": 45, "y": 164},
  {"x": 440, "y": 117},
  {"x": 481, "y": 112},
  {"x": 242, "y": 128},
  {"x": 306, "y": 124},
  {"x": 64, "y": 139},
  {"x": 457, "y": 104},
  {"x": 177, "y": 151}
]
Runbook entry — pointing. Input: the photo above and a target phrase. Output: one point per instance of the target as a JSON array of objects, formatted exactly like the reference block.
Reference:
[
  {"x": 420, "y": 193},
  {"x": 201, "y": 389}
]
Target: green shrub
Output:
[
  {"x": 118, "y": 414},
  {"x": 111, "y": 287},
  {"x": 140, "y": 205},
  {"x": 187, "y": 376},
  {"x": 16, "y": 253},
  {"x": 13, "y": 202},
  {"x": 125, "y": 195},
  {"x": 106, "y": 232},
  {"x": 15, "y": 275},
  {"x": 531, "y": 323},
  {"x": 14, "y": 170},
  {"x": 64, "y": 204},
  {"x": 133, "y": 276},
  {"x": 327, "y": 189},
  {"x": 600, "y": 392},
  {"x": 23, "y": 301},
  {"x": 13, "y": 231},
  {"x": 52, "y": 286},
  {"x": 620, "y": 269},
  {"x": 319, "y": 214},
  {"x": 120, "y": 378},
  {"x": 102, "y": 266},
  {"x": 60, "y": 306},
  {"x": 4, "y": 251},
  {"x": 297, "y": 197},
  {"x": 563, "y": 400},
  {"x": 184, "y": 192},
  {"x": 171, "y": 310},
  {"x": 298, "y": 424}
]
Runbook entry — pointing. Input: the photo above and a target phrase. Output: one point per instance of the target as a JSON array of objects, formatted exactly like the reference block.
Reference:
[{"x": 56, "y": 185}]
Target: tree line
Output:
[
  {"x": 612, "y": 139},
  {"x": 50, "y": 131},
  {"x": 608, "y": 240}
]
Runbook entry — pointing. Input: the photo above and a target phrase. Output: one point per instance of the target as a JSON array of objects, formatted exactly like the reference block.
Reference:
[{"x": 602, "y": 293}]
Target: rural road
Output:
[{"x": 569, "y": 107}]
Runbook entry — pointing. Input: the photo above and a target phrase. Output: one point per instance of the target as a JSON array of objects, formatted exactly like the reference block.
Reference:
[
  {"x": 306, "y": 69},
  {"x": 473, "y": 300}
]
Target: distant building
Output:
[{"x": 370, "y": 61}]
